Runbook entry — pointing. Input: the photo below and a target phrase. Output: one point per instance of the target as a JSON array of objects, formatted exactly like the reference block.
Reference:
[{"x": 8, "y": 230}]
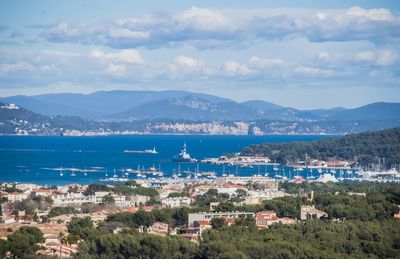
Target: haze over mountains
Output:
[{"x": 183, "y": 105}]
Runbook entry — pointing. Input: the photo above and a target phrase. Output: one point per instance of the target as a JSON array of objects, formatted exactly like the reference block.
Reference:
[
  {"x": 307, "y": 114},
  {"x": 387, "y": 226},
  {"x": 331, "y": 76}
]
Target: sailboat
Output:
[
  {"x": 73, "y": 171},
  {"x": 115, "y": 174}
]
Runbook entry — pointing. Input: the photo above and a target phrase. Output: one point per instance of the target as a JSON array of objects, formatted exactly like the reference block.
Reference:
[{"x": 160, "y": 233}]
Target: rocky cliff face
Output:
[{"x": 211, "y": 128}]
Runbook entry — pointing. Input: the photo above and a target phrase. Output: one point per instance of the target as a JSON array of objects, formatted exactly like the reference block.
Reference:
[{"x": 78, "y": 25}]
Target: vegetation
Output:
[
  {"x": 30, "y": 205},
  {"x": 313, "y": 239},
  {"x": 57, "y": 211},
  {"x": 96, "y": 187},
  {"x": 151, "y": 192},
  {"x": 363, "y": 148},
  {"x": 23, "y": 243},
  {"x": 12, "y": 189}
]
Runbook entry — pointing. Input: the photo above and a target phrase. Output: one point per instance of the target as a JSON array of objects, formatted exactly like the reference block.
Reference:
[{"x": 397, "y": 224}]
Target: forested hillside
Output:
[{"x": 363, "y": 148}]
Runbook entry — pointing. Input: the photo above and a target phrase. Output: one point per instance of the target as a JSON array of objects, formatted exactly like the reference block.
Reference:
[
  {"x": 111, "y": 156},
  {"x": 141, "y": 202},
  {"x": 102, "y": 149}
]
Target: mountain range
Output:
[{"x": 182, "y": 105}]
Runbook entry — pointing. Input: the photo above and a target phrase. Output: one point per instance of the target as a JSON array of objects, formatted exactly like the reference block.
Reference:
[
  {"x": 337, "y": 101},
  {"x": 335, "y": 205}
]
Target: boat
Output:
[
  {"x": 146, "y": 151},
  {"x": 183, "y": 156}
]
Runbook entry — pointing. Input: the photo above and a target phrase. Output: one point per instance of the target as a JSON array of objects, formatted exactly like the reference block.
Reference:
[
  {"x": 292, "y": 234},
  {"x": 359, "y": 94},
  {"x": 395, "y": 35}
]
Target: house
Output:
[
  {"x": 44, "y": 192},
  {"x": 230, "y": 188},
  {"x": 310, "y": 212},
  {"x": 15, "y": 196},
  {"x": 208, "y": 216},
  {"x": 268, "y": 217},
  {"x": 202, "y": 225},
  {"x": 266, "y": 182},
  {"x": 66, "y": 218},
  {"x": 175, "y": 202},
  {"x": 159, "y": 228}
]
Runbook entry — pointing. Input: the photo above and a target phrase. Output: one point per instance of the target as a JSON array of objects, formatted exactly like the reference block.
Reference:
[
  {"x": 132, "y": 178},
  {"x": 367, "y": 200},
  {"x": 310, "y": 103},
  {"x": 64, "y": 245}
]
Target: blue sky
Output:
[{"x": 303, "y": 54}]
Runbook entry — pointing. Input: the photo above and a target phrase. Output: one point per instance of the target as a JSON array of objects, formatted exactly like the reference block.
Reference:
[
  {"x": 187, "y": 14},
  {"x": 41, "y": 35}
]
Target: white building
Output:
[
  {"x": 174, "y": 202},
  {"x": 268, "y": 182},
  {"x": 208, "y": 216}
]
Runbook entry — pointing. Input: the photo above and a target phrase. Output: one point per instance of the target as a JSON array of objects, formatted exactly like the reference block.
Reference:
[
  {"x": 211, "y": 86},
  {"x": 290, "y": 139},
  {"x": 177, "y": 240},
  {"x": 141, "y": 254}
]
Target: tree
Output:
[
  {"x": 225, "y": 207},
  {"x": 25, "y": 241},
  {"x": 95, "y": 187},
  {"x": 80, "y": 227},
  {"x": 218, "y": 223},
  {"x": 108, "y": 199},
  {"x": 4, "y": 248},
  {"x": 63, "y": 239}
]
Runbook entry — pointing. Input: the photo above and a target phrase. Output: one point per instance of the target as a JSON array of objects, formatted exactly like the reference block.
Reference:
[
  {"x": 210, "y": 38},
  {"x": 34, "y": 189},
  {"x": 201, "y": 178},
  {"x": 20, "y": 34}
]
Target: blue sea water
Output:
[{"x": 29, "y": 158}]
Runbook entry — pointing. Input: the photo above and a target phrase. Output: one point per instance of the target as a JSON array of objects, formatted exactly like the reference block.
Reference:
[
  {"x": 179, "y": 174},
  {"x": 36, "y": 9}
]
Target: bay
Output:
[{"x": 32, "y": 158}]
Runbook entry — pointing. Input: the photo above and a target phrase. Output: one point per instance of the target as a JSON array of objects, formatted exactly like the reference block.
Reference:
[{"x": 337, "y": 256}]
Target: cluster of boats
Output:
[{"x": 278, "y": 172}]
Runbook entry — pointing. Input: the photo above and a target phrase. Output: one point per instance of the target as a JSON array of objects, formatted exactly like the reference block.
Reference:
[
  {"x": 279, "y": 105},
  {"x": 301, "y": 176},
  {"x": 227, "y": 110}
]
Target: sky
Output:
[{"x": 302, "y": 54}]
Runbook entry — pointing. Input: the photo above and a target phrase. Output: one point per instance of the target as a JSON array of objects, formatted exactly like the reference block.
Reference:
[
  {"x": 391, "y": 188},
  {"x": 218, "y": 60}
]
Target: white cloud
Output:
[
  {"x": 380, "y": 58},
  {"x": 380, "y": 14},
  {"x": 116, "y": 70},
  {"x": 324, "y": 56},
  {"x": 199, "y": 25},
  {"x": 259, "y": 63},
  {"x": 386, "y": 58},
  {"x": 126, "y": 55},
  {"x": 187, "y": 61},
  {"x": 365, "y": 56},
  {"x": 234, "y": 68},
  {"x": 15, "y": 67},
  {"x": 313, "y": 72},
  {"x": 129, "y": 34},
  {"x": 56, "y": 53},
  {"x": 203, "y": 20}
]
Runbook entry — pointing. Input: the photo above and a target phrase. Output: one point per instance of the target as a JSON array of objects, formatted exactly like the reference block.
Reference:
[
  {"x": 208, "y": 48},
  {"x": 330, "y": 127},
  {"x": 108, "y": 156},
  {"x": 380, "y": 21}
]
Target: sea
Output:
[{"x": 41, "y": 159}]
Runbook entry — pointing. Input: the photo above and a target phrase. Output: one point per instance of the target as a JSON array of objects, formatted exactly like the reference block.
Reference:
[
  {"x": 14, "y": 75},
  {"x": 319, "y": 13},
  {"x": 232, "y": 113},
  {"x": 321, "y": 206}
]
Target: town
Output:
[{"x": 197, "y": 206}]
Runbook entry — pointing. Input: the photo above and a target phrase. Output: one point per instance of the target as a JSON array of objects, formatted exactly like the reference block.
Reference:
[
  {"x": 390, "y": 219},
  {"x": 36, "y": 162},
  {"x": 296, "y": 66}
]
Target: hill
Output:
[
  {"x": 363, "y": 148},
  {"x": 177, "y": 105},
  {"x": 95, "y": 105},
  {"x": 373, "y": 111},
  {"x": 190, "y": 107}
]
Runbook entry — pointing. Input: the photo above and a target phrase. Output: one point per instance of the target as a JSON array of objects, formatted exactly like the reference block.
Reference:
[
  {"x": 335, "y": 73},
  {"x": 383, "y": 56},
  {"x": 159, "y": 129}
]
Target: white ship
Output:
[
  {"x": 183, "y": 156},
  {"x": 146, "y": 151}
]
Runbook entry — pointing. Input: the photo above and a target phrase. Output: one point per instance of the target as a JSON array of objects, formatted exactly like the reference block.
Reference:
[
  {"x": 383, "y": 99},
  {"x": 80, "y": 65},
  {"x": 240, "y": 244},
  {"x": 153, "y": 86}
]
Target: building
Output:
[
  {"x": 160, "y": 229},
  {"x": 66, "y": 218},
  {"x": 337, "y": 163},
  {"x": 71, "y": 199},
  {"x": 15, "y": 196},
  {"x": 202, "y": 225},
  {"x": 175, "y": 202},
  {"x": 310, "y": 212},
  {"x": 266, "y": 182},
  {"x": 268, "y": 217},
  {"x": 208, "y": 216}
]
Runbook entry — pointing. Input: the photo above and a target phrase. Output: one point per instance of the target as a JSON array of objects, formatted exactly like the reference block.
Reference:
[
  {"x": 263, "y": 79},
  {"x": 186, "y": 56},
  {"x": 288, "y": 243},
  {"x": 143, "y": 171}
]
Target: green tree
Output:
[
  {"x": 108, "y": 199},
  {"x": 218, "y": 223}
]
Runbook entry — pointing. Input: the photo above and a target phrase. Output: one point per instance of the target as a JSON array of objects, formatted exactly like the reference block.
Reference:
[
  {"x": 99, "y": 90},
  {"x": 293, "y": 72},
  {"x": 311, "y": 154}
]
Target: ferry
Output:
[
  {"x": 146, "y": 151},
  {"x": 183, "y": 156}
]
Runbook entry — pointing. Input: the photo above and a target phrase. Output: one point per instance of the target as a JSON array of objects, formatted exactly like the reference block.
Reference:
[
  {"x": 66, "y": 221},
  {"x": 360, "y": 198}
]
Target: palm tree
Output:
[{"x": 63, "y": 238}]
